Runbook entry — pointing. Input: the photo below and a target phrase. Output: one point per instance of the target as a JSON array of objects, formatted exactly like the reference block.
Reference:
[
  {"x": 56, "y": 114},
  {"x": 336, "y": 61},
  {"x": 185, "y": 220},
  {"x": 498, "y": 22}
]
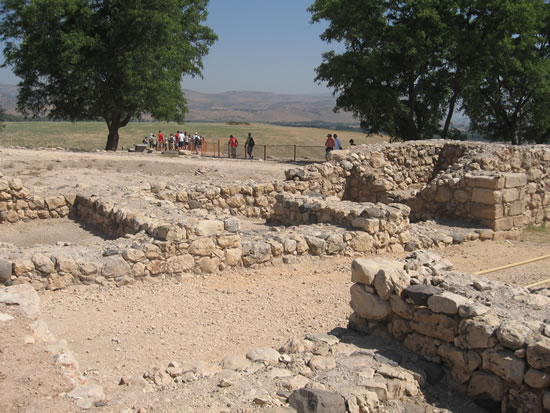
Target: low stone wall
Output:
[
  {"x": 18, "y": 204},
  {"x": 494, "y": 339},
  {"x": 387, "y": 222}
]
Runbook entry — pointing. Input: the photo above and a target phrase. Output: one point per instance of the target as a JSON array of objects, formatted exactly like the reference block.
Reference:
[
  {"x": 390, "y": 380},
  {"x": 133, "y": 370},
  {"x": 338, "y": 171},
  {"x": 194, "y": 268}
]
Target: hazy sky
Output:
[{"x": 264, "y": 45}]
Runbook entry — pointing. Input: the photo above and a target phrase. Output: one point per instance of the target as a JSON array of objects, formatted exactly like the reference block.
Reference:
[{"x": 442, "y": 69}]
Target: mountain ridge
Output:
[{"x": 241, "y": 106}]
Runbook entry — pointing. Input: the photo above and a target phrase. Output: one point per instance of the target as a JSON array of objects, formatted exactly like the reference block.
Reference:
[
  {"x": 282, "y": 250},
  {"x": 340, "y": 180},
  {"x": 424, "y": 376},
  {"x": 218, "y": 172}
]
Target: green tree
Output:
[
  {"x": 104, "y": 59},
  {"x": 392, "y": 74},
  {"x": 508, "y": 93},
  {"x": 409, "y": 64}
]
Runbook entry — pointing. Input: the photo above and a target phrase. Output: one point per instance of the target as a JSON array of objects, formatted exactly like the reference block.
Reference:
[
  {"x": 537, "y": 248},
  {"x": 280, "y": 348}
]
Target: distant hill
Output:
[{"x": 240, "y": 106}]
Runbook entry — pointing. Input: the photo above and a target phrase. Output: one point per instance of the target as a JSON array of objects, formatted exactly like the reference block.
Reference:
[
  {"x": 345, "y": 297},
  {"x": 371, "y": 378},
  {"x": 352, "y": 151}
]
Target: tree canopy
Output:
[
  {"x": 408, "y": 65},
  {"x": 104, "y": 59}
]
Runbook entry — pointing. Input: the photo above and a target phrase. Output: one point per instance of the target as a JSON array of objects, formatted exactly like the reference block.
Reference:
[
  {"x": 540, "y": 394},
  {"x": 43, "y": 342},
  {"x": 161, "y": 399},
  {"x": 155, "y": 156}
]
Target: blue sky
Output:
[{"x": 264, "y": 45}]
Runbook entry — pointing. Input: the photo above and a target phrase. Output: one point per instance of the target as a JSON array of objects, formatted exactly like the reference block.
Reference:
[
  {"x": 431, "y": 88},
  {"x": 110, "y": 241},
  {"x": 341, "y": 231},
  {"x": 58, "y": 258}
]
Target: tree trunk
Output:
[
  {"x": 450, "y": 113},
  {"x": 114, "y": 124},
  {"x": 112, "y": 139}
]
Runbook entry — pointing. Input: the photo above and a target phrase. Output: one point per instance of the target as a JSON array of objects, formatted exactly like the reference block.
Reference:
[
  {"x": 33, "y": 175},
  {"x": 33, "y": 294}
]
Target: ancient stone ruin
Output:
[{"x": 386, "y": 197}]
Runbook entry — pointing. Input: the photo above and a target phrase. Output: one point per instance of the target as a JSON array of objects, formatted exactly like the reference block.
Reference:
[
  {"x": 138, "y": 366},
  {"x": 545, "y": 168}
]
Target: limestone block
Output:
[
  {"x": 180, "y": 263},
  {"x": 538, "y": 354},
  {"x": 115, "y": 267},
  {"x": 434, "y": 325},
  {"x": 425, "y": 346},
  {"x": 55, "y": 202},
  {"x": 255, "y": 252},
  {"x": 4, "y": 185},
  {"x": 289, "y": 245},
  {"x": 316, "y": 245},
  {"x": 202, "y": 247},
  {"x": 317, "y": 401},
  {"x": 16, "y": 184},
  {"x": 505, "y": 365},
  {"x": 66, "y": 265},
  {"x": 88, "y": 268},
  {"x": 229, "y": 241},
  {"x": 514, "y": 180},
  {"x": 484, "y": 385},
  {"x": 361, "y": 242},
  {"x": 401, "y": 308},
  {"x": 485, "y": 181},
  {"x": 516, "y": 208},
  {"x": 209, "y": 227},
  {"x": 363, "y": 270},
  {"x": 486, "y": 196},
  {"x": 233, "y": 256},
  {"x": 391, "y": 279},
  {"x": 523, "y": 400},
  {"x": 367, "y": 305},
  {"x": 133, "y": 255},
  {"x": 472, "y": 310},
  {"x": 156, "y": 267},
  {"x": 151, "y": 251},
  {"x": 510, "y": 194},
  {"x": 43, "y": 263},
  {"x": 513, "y": 334},
  {"x": 371, "y": 225},
  {"x": 446, "y": 302},
  {"x": 335, "y": 244},
  {"x": 537, "y": 379},
  {"x": 22, "y": 266},
  {"x": 168, "y": 232},
  {"x": 301, "y": 244},
  {"x": 467, "y": 360},
  {"x": 400, "y": 328},
  {"x": 209, "y": 265},
  {"x": 478, "y": 332},
  {"x": 58, "y": 282},
  {"x": 266, "y": 355},
  {"x": 138, "y": 270},
  {"x": 500, "y": 224},
  {"x": 6, "y": 269}
]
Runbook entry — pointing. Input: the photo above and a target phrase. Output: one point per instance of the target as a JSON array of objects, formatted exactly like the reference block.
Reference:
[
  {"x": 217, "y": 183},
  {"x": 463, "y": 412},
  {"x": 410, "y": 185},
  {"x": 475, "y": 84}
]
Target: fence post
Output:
[
  {"x": 218, "y": 148},
  {"x": 294, "y": 153},
  {"x": 265, "y": 152}
]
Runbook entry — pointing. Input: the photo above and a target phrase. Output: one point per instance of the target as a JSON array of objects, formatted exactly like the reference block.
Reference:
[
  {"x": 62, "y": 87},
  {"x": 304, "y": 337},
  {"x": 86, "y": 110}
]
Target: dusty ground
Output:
[{"x": 123, "y": 332}]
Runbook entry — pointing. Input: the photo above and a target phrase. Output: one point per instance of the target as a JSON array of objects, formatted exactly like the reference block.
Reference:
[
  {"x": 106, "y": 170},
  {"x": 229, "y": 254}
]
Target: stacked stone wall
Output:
[
  {"x": 18, "y": 204},
  {"x": 492, "y": 338}
]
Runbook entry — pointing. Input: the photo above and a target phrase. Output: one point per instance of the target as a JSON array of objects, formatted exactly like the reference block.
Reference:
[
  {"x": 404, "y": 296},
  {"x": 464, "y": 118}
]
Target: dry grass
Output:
[{"x": 89, "y": 136}]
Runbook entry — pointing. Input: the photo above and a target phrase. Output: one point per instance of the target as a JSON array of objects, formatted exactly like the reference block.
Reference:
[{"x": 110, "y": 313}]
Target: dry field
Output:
[
  {"x": 123, "y": 332},
  {"x": 90, "y": 136}
]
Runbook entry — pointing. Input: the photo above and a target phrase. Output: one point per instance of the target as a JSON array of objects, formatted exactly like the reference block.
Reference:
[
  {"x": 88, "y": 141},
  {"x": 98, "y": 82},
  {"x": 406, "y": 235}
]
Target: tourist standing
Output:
[
  {"x": 233, "y": 143},
  {"x": 160, "y": 141},
  {"x": 249, "y": 145},
  {"x": 329, "y": 145},
  {"x": 337, "y": 143}
]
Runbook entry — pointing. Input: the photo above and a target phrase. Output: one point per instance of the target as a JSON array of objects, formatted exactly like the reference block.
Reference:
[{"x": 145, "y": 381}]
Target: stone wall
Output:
[
  {"x": 383, "y": 222},
  {"x": 493, "y": 339},
  {"x": 18, "y": 204}
]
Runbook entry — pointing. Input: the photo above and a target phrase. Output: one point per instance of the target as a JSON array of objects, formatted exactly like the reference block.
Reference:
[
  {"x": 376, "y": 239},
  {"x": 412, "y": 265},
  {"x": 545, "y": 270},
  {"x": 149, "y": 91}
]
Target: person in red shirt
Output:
[
  {"x": 233, "y": 143},
  {"x": 161, "y": 141}
]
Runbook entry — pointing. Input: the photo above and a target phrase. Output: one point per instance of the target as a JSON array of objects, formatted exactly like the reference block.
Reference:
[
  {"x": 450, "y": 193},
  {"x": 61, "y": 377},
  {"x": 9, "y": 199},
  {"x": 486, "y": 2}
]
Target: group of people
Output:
[
  {"x": 333, "y": 143},
  {"x": 175, "y": 141},
  {"x": 248, "y": 145}
]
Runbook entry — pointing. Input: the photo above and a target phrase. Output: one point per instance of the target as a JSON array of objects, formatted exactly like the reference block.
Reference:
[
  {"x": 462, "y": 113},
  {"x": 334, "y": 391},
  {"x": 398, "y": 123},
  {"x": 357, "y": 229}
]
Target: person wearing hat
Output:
[{"x": 329, "y": 145}]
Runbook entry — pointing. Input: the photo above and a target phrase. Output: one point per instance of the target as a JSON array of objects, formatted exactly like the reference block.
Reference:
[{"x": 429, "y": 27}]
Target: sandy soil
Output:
[{"x": 123, "y": 332}]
